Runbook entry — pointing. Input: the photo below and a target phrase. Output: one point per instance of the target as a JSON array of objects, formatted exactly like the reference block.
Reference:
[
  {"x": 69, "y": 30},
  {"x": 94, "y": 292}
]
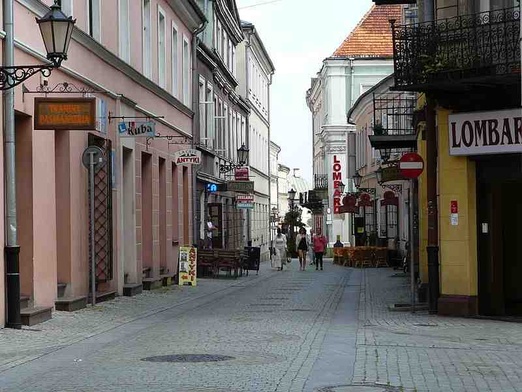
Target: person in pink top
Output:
[{"x": 319, "y": 243}]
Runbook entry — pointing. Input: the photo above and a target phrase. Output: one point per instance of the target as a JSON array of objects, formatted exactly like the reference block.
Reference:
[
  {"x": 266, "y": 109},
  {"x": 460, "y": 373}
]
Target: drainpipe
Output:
[
  {"x": 12, "y": 249},
  {"x": 433, "y": 224},
  {"x": 195, "y": 120}
]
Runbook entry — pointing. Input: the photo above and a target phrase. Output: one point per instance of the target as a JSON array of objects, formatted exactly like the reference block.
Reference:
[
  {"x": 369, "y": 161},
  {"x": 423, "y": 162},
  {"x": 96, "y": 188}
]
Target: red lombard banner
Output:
[
  {"x": 349, "y": 205},
  {"x": 365, "y": 200}
]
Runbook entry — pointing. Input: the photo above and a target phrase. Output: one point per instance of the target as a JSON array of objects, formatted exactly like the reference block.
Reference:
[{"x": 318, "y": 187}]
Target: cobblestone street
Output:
[{"x": 328, "y": 330}]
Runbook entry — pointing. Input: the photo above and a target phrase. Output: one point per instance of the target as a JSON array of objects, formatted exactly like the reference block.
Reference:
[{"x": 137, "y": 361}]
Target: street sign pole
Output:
[
  {"x": 410, "y": 248},
  {"x": 93, "y": 253}
]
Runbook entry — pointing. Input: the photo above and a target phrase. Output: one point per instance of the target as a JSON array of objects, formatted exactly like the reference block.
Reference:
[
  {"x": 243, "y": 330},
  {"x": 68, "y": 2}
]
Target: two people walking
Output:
[{"x": 303, "y": 244}]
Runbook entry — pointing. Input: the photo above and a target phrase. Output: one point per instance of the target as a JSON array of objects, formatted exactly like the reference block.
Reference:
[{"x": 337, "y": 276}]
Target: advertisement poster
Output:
[{"x": 187, "y": 265}]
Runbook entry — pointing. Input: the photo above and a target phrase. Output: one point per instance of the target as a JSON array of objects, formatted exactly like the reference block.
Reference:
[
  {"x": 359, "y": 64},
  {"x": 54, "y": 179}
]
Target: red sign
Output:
[
  {"x": 349, "y": 205},
  {"x": 454, "y": 207},
  {"x": 365, "y": 200},
  {"x": 389, "y": 199},
  {"x": 411, "y": 165},
  {"x": 241, "y": 174},
  {"x": 337, "y": 180}
]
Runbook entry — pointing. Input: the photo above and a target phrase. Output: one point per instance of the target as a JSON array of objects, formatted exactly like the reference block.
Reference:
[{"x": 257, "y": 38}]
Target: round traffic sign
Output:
[
  {"x": 411, "y": 165},
  {"x": 97, "y": 155}
]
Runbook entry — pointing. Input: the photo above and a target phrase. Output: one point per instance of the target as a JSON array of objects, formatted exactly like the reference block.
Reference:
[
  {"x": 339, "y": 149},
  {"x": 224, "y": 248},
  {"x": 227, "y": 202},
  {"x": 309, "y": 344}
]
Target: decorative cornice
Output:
[
  {"x": 335, "y": 148},
  {"x": 189, "y": 12}
]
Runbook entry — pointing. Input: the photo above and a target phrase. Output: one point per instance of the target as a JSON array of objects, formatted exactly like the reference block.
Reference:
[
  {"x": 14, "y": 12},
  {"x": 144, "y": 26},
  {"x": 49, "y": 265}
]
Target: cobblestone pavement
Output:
[
  {"x": 327, "y": 331},
  {"x": 431, "y": 353}
]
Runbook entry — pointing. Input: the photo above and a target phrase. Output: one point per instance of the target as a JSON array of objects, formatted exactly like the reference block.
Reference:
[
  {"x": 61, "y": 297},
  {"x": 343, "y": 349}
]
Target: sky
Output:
[{"x": 298, "y": 35}]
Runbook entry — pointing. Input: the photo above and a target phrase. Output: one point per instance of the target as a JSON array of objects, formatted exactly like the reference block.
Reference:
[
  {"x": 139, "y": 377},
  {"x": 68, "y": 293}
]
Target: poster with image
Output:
[{"x": 187, "y": 269}]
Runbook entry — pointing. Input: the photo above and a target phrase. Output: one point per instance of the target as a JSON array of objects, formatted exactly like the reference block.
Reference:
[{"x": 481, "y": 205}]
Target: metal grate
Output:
[
  {"x": 102, "y": 213},
  {"x": 192, "y": 358}
]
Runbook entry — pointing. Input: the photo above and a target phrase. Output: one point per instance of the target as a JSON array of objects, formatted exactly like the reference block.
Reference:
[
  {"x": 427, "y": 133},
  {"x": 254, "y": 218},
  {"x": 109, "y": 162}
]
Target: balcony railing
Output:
[
  {"x": 320, "y": 181},
  {"x": 437, "y": 54}
]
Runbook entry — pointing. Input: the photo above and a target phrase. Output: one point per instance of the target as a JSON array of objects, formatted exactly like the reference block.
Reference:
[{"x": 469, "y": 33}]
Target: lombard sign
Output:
[
  {"x": 136, "y": 129},
  {"x": 495, "y": 132},
  {"x": 187, "y": 157}
]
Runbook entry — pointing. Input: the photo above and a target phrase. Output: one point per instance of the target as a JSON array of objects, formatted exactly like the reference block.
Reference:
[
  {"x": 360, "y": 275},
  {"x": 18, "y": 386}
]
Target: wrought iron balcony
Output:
[
  {"x": 466, "y": 49},
  {"x": 312, "y": 200},
  {"x": 320, "y": 181}
]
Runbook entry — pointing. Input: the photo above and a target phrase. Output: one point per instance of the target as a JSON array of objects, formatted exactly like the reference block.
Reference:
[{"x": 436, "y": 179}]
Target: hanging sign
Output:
[
  {"x": 187, "y": 157},
  {"x": 241, "y": 174},
  {"x": 187, "y": 270},
  {"x": 245, "y": 201},
  {"x": 349, "y": 205},
  {"x": 389, "y": 199},
  {"x": 136, "y": 129},
  {"x": 240, "y": 186},
  {"x": 365, "y": 200},
  {"x": 65, "y": 113}
]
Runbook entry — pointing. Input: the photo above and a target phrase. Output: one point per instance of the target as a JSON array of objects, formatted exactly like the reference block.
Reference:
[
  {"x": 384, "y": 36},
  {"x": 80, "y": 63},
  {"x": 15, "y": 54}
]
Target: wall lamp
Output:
[
  {"x": 56, "y": 29},
  {"x": 242, "y": 159}
]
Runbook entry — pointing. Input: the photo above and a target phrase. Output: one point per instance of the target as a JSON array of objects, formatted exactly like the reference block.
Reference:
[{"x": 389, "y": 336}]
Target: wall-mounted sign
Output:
[
  {"x": 240, "y": 186},
  {"x": 241, "y": 173},
  {"x": 391, "y": 173},
  {"x": 187, "y": 266},
  {"x": 65, "y": 113},
  {"x": 337, "y": 180},
  {"x": 245, "y": 201},
  {"x": 477, "y": 133},
  {"x": 211, "y": 187},
  {"x": 136, "y": 129},
  {"x": 187, "y": 157},
  {"x": 389, "y": 199}
]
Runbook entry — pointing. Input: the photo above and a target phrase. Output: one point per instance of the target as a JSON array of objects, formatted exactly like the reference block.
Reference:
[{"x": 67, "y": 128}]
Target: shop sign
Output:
[
  {"x": 187, "y": 271},
  {"x": 391, "y": 173},
  {"x": 337, "y": 180},
  {"x": 187, "y": 157},
  {"x": 245, "y": 201},
  {"x": 478, "y": 133},
  {"x": 365, "y": 200},
  {"x": 136, "y": 129},
  {"x": 389, "y": 199},
  {"x": 349, "y": 205},
  {"x": 65, "y": 113},
  {"x": 240, "y": 186},
  {"x": 241, "y": 174}
]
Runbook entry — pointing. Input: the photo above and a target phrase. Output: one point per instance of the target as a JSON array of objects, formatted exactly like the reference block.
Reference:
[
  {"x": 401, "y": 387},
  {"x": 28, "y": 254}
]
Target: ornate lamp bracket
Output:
[{"x": 13, "y": 76}]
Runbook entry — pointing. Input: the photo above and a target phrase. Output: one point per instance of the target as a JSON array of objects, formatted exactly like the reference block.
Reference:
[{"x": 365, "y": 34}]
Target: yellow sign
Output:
[
  {"x": 65, "y": 113},
  {"x": 188, "y": 262}
]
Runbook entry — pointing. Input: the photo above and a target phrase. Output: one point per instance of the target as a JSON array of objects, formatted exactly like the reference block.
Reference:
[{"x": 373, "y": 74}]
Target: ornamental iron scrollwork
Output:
[
  {"x": 13, "y": 76},
  {"x": 447, "y": 50}
]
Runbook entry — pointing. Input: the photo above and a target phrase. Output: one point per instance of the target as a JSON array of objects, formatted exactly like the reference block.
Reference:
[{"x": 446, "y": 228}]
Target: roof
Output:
[{"x": 372, "y": 37}]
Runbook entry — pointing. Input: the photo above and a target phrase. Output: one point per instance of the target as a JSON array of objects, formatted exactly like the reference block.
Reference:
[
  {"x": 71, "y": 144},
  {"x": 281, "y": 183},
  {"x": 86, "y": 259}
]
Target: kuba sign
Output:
[{"x": 481, "y": 133}]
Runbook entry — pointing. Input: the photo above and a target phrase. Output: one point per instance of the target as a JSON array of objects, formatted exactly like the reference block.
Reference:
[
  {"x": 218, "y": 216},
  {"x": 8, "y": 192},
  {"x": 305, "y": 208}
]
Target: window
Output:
[
  {"x": 94, "y": 19},
  {"x": 66, "y": 6},
  {"x": 224, "y": 140},
  {"x": 202, "y": 109},
  {"x": 175, "y": 61},
  {"x": 186, "y": 72},
  {"x": 147, "y": 39},
  {"x": 218, "y": 37},
  {"x": 161, "y": 47},
  {"x": 124, "y": 30},
  {"x": 210, "y": 116},
  {"x": 234, "y": 60}
]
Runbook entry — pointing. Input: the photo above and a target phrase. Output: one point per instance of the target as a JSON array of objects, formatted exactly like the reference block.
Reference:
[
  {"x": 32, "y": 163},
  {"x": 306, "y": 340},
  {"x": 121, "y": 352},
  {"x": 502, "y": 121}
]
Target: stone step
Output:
[
  {"x": 132, "y": 289},
  {"x": 36, "y": 315},
  {"x": 24, "y": 301},
  {"x": 102, "y": 296},
  {"x": 61, "y": 289},
  {"x": 70, "y": 304},
  {"x": 152, "y": 283}
]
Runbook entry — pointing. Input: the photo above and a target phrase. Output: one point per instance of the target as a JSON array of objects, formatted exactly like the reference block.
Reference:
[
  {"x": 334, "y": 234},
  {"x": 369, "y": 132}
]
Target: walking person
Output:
[
  {"x": 312, "y": 235},
  {"x": 280, "y": 250},
  {"x": 302, "y": 243},
  {"x": 319, "y": 243}
]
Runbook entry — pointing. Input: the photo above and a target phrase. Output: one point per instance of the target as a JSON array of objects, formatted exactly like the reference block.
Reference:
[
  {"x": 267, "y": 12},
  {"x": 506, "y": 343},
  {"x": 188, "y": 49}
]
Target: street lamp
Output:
[
  {"x": 242, "y": 159},
  {"x": 56, "y": 29},
  {"x": 357, "y": 178},
  {"x": 378, "y": 175},
  {"x": 341, "y": 187},
  {"x": 291, "y": 198}
]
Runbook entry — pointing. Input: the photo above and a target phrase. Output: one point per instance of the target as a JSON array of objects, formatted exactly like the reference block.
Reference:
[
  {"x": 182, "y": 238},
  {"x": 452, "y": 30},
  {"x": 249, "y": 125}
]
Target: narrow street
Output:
[{"x": 328, "y": 330}]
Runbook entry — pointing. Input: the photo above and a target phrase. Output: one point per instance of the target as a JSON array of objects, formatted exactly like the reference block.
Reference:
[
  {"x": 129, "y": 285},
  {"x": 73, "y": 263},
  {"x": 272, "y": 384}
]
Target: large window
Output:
[
  {"x": 147, "y": 39},
  {"x": 186, "y": 72},
  {"x": 175, "y": 60},
  {"x": 161, "y": 47},
  {"x": 124, "y": 30},
  {"x": 94, "y": 19}
]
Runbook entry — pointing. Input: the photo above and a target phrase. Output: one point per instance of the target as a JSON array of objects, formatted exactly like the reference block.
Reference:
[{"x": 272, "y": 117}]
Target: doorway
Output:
[{"x": 499, "y": 221}]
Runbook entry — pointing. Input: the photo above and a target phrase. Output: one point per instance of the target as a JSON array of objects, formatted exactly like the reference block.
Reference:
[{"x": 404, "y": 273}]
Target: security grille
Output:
[{"x": 102, "y": 213}]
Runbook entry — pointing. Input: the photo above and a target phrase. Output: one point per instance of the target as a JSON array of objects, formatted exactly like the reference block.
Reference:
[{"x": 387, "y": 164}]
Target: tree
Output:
[{"x": 294, "y": 223}]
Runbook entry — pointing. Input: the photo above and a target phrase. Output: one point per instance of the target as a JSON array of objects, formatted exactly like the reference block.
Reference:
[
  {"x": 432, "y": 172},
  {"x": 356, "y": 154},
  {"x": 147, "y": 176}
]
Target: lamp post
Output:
[
  {"x": 56, "y": 29},
  {"x": 242, "y": 160},
  {"x": 292, "y": 208},
  {"x": 357, "y": 179}
]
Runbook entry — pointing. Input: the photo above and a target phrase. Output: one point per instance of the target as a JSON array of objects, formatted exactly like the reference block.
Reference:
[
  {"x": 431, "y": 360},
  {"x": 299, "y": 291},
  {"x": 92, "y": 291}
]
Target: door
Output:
[{"x": 215, "y": 210}]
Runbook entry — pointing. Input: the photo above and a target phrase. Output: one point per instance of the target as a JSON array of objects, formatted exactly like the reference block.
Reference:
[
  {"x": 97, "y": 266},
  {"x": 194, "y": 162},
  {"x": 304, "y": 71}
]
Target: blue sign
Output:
[
  {"x": 135, "y": 129},
  {"x": 212, "y": 188}
]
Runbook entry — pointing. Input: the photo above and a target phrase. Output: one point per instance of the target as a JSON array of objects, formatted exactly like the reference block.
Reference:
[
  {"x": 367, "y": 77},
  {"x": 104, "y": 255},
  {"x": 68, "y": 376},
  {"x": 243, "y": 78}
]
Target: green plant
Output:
[{"x": 378, "y": 130}]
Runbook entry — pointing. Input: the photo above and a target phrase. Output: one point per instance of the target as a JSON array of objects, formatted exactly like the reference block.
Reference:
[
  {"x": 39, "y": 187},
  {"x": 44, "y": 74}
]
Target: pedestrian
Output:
[
  {"x": 302, "y": 244},
  {"x": 210, "y": 228},
  {"x": 320, "y": 242},
  {"x": 312, "y": 235},
  {"x": 280, "y": 250}
]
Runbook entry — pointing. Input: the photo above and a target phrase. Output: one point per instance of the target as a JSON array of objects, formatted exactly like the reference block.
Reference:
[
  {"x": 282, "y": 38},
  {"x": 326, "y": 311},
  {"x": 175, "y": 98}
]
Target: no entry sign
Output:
[{"x": 411, "y": 165}]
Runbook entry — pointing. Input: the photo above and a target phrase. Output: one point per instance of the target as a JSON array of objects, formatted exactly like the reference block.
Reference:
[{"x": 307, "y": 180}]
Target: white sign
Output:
[
  {"x": 245, "y": 201},
  {"x": 496, "y": 132},
  {"x": 187, "y": 157},
  {"x": 135, "y": 129},
  {"x": 454, "y": 218}
]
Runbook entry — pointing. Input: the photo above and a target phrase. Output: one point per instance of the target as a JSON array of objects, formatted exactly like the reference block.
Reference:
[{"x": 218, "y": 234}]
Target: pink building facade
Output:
[{"x": 136, "y": 59}]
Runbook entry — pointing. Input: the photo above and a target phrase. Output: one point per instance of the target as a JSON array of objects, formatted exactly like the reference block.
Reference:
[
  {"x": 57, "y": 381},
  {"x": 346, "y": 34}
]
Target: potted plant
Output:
[{"x": 378, "y": 129}]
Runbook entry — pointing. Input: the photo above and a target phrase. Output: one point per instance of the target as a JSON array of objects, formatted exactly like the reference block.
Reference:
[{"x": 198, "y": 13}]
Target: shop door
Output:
[
  {"x": 215, "y": 210},
  {"x": 499, "y": 220}
]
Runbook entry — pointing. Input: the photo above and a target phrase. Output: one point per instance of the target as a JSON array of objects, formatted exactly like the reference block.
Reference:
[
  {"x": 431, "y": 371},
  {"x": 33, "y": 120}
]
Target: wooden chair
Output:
[
  {"x": 228, "y": 260},
  {"x": 381, "y": 257},
  {"x": 207, "y": 262}
]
